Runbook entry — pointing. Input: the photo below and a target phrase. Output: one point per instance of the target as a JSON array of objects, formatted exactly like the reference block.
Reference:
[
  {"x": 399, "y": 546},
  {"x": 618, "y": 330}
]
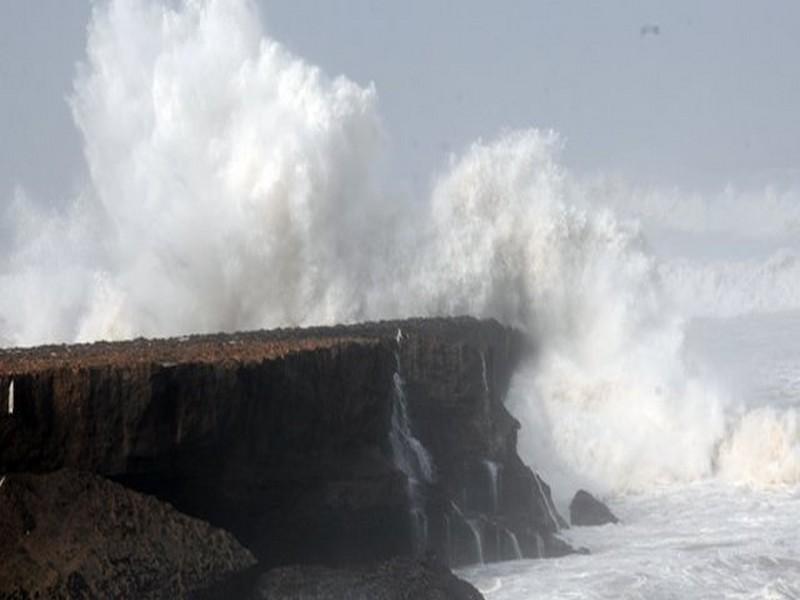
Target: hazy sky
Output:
[{"x": 713, "y": 97}]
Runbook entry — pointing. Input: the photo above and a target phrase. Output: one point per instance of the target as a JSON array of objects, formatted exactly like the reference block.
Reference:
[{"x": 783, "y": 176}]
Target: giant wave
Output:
[{"x": 232, "y": 186}]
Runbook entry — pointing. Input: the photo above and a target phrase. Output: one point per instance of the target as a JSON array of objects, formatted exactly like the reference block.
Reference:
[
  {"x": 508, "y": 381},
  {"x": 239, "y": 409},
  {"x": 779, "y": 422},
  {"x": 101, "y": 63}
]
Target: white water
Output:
[
  {"x": 702, "y": 540},
  {"x": 232, "y": 185},
  {"x": 732, "y": 534},
  {"x": 493, "y": 472}
]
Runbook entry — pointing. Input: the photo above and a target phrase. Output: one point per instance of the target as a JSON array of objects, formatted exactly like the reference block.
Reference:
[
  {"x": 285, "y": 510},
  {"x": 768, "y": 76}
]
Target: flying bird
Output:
[{"x": 649, "y": 30}]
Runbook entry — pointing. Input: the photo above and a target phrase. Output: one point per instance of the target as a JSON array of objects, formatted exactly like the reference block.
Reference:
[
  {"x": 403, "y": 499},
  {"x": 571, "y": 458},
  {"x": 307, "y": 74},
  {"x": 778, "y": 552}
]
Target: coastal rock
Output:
[
  {"x": 288, "y": 438},
  {"x": 69, "y": 534},
  {"x": 586, "y": 510},
  {"x": 396, "y": 579}
]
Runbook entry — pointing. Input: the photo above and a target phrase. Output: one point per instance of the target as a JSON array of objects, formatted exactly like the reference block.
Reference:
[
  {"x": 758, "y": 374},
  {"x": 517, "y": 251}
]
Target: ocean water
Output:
[
  {"x": 701, "y": 540},
  {"x": 730, "y": 534},
  {"x": 231, "y": 185}
]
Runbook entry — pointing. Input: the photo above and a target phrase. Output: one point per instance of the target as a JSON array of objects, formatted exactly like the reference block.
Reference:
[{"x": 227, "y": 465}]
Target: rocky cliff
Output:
[{"x": 319, "y": 446}]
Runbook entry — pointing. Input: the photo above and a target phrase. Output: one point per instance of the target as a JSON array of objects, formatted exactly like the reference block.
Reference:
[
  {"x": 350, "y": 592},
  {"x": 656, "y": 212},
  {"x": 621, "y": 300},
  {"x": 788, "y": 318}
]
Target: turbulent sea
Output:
[
  {"x": 730, "y": 534},
  {"x": 231, "y": 185}
]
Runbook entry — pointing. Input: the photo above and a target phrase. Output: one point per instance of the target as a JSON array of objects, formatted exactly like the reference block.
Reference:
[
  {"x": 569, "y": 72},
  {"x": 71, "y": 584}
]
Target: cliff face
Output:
[{"x": 331, "y": 445}]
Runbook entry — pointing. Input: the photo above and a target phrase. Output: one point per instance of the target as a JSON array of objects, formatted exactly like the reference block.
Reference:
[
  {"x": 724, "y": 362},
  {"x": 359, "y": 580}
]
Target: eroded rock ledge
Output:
[{"x": 308, "y": 445}]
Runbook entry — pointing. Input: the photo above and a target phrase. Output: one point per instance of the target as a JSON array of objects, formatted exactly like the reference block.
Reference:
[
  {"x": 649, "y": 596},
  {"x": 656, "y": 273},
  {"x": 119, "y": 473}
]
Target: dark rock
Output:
[
  {"x": 586, "y": 510},
  {"x": 396, "y": 579},
  {"x": 283, "y": 437},
  {"x": 75, "y": 535}
]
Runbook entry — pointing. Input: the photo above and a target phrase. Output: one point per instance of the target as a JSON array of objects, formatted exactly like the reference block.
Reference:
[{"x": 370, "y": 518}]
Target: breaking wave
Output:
[{"x": 234, "y": 186}]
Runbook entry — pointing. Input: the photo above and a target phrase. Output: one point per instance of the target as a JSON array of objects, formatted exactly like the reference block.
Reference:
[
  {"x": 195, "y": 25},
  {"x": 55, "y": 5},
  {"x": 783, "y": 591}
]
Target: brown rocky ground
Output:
[{"x": 68, "y": 534}]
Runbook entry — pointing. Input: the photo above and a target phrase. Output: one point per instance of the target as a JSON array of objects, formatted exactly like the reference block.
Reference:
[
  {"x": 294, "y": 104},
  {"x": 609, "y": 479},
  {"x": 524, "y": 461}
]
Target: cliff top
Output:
[{"x": 250, "y": 346}]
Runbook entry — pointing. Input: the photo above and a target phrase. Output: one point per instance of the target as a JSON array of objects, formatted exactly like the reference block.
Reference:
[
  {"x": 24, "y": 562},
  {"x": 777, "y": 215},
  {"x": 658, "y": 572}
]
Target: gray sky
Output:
[{"x": 713, "y": 97}]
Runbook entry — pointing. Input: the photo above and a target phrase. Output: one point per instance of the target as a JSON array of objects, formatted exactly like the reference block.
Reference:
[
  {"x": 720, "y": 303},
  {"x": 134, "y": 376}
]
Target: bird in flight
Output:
[{"x": 649, "y": 30}]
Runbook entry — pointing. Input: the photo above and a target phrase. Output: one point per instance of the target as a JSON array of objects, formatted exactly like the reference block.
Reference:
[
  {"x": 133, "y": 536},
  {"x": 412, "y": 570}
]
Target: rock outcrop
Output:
[
  {"x": 331, "y": 446},
  {"x": 75, "y": 535},
  {"x": 586, "y": 510},
  {"x": 395, "y": 579}
]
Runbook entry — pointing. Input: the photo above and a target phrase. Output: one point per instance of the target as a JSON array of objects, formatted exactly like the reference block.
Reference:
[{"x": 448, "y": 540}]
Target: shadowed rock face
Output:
[
  {"x": 395, "y": 579},
  {"x": 283, "y": 437},
  {"x": 75, "y": 535}
]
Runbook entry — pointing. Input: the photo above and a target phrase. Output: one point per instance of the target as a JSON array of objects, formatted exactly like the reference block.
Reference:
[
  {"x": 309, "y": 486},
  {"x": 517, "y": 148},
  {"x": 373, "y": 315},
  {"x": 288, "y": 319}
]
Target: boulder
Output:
[
  {"x": 586, "y": 510},
  {"x": 396, "y": 579},
  {"x": 69, "y": 534}
]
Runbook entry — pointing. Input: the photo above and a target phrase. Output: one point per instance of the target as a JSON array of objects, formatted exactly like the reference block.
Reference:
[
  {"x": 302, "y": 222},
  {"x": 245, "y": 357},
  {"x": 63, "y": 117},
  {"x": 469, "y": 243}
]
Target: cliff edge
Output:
[{"x": 333, "y": 446}]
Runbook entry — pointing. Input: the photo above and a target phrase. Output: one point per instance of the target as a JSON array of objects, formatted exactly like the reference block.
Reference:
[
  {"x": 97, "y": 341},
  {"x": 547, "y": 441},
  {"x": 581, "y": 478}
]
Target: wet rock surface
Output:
[
  {"x": 586, "y": 510},
  {"x": 69, "y": 534}
]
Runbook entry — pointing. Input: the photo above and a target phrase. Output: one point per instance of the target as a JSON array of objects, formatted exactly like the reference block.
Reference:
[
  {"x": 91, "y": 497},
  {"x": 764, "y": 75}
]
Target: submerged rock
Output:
[
  {"x": 69, "y": 534},
  {"x": 586, "y": 510}
]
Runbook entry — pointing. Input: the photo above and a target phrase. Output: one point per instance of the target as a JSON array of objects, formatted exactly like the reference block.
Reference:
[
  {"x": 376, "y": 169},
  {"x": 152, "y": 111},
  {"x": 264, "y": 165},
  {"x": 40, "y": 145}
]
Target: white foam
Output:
[
  {"x": 763, "y": 448},
  {"x": 231, "y": 186},
  {"x": 702, "y": 540},
  {"x": 234, "y": 186}
]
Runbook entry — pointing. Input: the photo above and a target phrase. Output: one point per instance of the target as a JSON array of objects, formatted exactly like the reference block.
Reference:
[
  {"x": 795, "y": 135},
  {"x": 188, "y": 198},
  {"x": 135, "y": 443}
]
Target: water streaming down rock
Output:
[
  {"x": 539, "y": 546},
  {"x": 476, "y": 532},
  {"x": 11, "y": 397},
  {"x": 448, "y": 538},
  {"x": 493, "y": 470},
  {"x": 411, "y": 457},
  {"x": 512, "y": 538},
  {"x": 547, "y": 505},
  {"x": 475, "y": 463},
  {"x": 484, "y": 375}
]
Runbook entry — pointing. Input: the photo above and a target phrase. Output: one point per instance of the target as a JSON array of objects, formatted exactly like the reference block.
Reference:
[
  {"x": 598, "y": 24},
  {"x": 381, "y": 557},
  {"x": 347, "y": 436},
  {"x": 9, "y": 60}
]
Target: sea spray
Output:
[
  {"x": 732, "y": 287},
  {"x": 763, "y": 448},
  {"x": 231, "y": 185}
]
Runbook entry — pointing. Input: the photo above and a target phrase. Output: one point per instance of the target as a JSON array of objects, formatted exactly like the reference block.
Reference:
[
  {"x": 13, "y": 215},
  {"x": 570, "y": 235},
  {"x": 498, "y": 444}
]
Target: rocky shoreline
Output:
[{"x": 368, "y": 454}]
